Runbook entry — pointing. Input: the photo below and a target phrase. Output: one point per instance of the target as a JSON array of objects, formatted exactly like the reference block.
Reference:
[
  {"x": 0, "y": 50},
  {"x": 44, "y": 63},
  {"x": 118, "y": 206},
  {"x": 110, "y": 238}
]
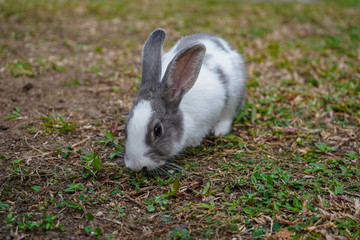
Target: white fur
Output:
[{"x": 136, "y": 148}]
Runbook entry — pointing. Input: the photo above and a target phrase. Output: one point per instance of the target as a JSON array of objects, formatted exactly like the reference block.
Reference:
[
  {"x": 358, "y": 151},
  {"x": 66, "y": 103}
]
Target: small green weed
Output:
[
  {"x": 26, "y": 223},
  {"x": 73, "y": 82},
  {"x": 3, "y": 206},
  {"x": 92, "y": 163},
  {"x": 348, "y": 226},
  {"x": 57, "y": 123},
  {"x": 259, "y": 233},
  {"x": 118, "y": 211},
  {"x": 174, "y": 188},
  {"x": 112, "y": 141},
  {"x": 19, "y": 69},
  {"x": 11, "y": 217},
  {"x": 323, "y": 147},
  {"x": 57, "y": 67},
  {"x": 96, "y": 70},
  {"x": 36, "y": 188},
  {"x": 93, "y": 230},
  {"x": 17, "y": 165},
  {"x": 159, "y": 201},
  {"x": 71, "y": 204},
  {"x": 14, "y": 115},
  {"x": 63, "y": 151},
  {"x": 180, "y": 233},
  {"x": 73, "y": 187},
  {"x": 31, "y": 129}
]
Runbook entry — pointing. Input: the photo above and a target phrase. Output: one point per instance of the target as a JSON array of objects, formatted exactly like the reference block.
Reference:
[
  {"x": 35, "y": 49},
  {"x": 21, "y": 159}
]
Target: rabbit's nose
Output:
[{"x": 133, "y": 164}]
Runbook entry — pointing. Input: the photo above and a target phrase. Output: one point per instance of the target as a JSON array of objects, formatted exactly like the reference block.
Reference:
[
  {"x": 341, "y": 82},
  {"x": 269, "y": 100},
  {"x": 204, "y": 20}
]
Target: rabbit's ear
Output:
[
  {"x": 151, "y": 58},
  {"x": 181, "y": 73}
]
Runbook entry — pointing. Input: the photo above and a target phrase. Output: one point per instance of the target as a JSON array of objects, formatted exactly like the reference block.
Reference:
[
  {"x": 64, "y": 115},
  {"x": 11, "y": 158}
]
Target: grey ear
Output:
[
  {"x": 151, "y": 59},
  {"x": 181, "y": 73}
]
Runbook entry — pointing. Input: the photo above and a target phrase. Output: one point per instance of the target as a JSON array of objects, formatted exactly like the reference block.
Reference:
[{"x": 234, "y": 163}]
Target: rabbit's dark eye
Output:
[{"x": 157, "y": 130}]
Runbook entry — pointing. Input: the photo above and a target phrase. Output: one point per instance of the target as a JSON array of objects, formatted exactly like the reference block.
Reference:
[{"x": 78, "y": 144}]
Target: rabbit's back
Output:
[{"x": 219, "y": 90}]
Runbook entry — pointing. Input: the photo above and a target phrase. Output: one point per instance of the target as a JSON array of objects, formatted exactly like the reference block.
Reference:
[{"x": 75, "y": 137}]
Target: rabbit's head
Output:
[{"x": 155, "y": 124}]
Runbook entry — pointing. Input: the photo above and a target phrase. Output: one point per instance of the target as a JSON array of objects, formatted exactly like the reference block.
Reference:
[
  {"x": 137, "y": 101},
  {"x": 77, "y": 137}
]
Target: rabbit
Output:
[{"x": 193, "y": 90}]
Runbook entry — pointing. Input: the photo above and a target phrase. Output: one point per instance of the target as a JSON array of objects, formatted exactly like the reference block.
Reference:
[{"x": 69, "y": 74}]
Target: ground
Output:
[{"x": 69, "y": 73}]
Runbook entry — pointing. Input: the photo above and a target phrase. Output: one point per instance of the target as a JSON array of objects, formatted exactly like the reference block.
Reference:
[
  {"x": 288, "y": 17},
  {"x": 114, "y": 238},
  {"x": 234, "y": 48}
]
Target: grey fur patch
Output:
[
  {"x": 242, "y": 94},
  {"x": 172, "y": 131},
  {"x": 220, "y": 45},
  {"x": 191, "y": 39},
  {"x": 151, "y": 58},
  {"x": 224, "y": 81},
  {"x": 172, "y": 125},
  {"x": 222, "y": 76}
]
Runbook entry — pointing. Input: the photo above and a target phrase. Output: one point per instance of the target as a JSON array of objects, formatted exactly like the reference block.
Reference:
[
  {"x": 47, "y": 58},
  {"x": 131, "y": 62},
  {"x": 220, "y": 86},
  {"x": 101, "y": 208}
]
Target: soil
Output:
[
  {"x": 87, "y": 71},
  {"x": 74, "y": 73}
]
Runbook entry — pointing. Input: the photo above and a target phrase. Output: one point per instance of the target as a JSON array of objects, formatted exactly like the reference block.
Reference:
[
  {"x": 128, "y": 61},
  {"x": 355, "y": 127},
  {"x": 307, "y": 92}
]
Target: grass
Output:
[
  {"x": 56, "y": 122},
  {"x": 14, "y": 115},
  {"x": 290, "y": 169}
]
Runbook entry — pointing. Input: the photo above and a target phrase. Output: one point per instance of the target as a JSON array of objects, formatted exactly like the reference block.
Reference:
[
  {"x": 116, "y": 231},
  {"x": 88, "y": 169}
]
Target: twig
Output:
[
  {"x": 82, "y": 141},
  {"x": 40, "y": 155},
  {"x": 352, "y": 194},
  {"x": 34, "y": 147},
  {"x": 134, "y": 200},
  {"x": 114, "y": 221},
  {"x": 145, "y": 189}
]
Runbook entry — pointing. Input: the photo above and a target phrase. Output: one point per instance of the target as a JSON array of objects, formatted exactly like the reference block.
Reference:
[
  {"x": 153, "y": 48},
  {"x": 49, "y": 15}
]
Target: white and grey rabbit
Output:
[{"x": 191, "y": 91}]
